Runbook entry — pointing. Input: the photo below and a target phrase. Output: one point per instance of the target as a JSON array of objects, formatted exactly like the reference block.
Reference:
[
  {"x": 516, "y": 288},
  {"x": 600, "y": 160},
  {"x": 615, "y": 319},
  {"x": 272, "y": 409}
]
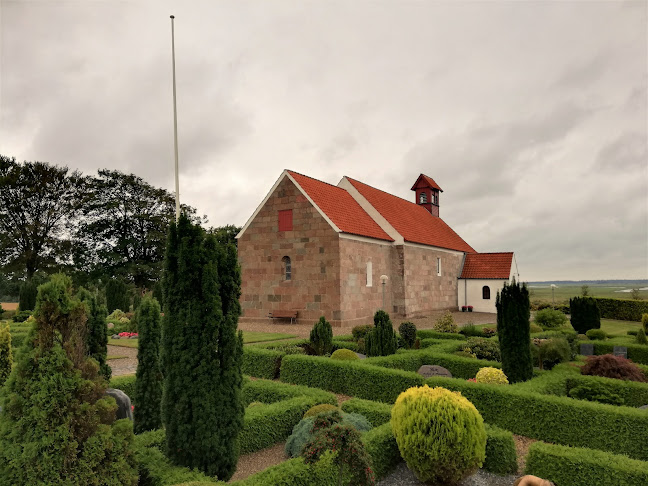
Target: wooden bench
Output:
[{"x": 292, "y": 315}]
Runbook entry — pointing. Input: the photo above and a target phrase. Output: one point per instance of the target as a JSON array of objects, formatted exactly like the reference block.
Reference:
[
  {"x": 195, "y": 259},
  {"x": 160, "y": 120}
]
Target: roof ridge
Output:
[
  {"x": 385, "y": 192},
  {"x": 493, "y": 252},
  {"x": 313, "y": 179}
]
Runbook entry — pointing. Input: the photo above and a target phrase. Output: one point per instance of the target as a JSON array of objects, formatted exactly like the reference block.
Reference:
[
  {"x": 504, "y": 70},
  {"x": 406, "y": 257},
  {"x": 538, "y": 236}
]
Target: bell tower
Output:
[{"x": 426, "y": 194}]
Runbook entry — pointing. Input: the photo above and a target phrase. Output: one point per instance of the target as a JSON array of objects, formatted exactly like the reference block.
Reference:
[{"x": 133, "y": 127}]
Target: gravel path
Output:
[
  {"x": 255, "y": 462},
  {"x": 401, "y": 476},
  {"x": 122, "y": 366}
]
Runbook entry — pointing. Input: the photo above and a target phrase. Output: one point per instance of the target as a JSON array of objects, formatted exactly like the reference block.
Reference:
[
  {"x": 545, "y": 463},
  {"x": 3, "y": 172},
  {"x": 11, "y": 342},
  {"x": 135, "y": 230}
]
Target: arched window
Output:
[
  {"x": 422, "y": 198},
  {"x": 486, "y": 292},
  {"x": 287, "y": 267}
]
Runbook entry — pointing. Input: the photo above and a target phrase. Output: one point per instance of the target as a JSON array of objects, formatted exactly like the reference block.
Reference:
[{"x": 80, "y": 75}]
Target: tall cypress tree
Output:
[
  {"x": 97, "y": 335},
  {"x": 28, "y": 291},
  {"x": 382, "y": 340},
  {"x": 202, "y": 408},
  {"x": 513, "y": 314},
  {"x": 585, "y": 314},
  {"x": 148, "y": 383}
]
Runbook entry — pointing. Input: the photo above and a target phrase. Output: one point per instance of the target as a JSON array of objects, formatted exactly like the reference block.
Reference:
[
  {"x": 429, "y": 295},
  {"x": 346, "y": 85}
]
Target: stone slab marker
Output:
[
  {"x": 587, "y": 349},
  {"x": 124, "y": 409},
  {"x": 620, "y": 351},
  {"x": 428, "y": 371}
]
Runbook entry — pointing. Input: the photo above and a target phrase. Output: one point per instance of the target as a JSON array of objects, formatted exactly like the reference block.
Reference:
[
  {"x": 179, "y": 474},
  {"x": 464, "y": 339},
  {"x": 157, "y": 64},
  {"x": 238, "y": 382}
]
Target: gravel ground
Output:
[
  {"x": 123, "y": 366},
  {"x": 401, "y": 476},
  {"x": 255, "y": 462}
]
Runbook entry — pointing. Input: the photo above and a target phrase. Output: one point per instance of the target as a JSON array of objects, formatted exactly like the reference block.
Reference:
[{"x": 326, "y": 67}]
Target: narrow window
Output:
[
  {"x": 422, "y": 198},
  {"x": 285, "y": 220},
  {"x": 433, "y": 198},
  {"x": 369, "y": 274},
  {"x": 486, "y": 292},
  {"x": 439, "y": 267},
  {"x": 287, "y": 268}
]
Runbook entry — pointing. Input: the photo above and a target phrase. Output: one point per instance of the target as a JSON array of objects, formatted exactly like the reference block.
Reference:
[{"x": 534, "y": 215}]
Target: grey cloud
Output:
[{"x": 628, "y": 152}]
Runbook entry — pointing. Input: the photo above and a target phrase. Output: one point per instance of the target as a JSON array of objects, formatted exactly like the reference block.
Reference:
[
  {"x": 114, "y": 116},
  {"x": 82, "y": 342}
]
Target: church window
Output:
[
  {"x": 369, "y": 274},
  {"x": 287, "y": 268},
  {"x": 486, "y": 292},
  {"x": 439, "y": 267}
]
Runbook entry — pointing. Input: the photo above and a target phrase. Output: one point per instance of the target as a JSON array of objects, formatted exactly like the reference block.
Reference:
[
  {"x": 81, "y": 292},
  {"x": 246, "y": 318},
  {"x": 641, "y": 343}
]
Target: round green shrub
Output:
[
  {"x": 483, "y": 349},
  {"x": 344, "y": 355},
  {"x": 407, "y": 331},
  {"x": 547, "y": 353},
  {"x": 445, "y": 323},
  {"x": 440, "y": 434},
  {"x": 596, "y": 334},
  {"x": 535, "y": 328},
  {"x": 493, "y": 376},
  {"x": 550, "y": 319},
  {"x": 317, "y": 409},
  {"x": 360, "y": 332},
  {"x": 594, "y": 392}
]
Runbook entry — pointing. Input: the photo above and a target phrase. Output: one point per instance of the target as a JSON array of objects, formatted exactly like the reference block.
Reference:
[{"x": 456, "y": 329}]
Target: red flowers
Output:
[{"x": 128, "y": 334}]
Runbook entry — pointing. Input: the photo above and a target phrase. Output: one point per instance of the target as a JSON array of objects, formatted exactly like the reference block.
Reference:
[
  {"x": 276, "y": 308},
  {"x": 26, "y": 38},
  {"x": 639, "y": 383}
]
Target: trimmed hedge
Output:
[
  {"x": 339, "y": 344},
  {"x": 428, "y": 333},
  {"x": 567, "y": 466},
  {"x": 125, "y": 383},
  {"x": 501, "y": 455},
  {"x": 156, "y": 470},
  {"x": 636, "y": 352},
  {"x": 622, "y": 309},
  {"x": 260, "y": 362},
  {"x": 555, "y": 419},
  {"x": 271, "y": 391},
  {"x": 634, "y": 394},
  {"x": 459, "y": 366},
  {"x": 293, "y": 473}
]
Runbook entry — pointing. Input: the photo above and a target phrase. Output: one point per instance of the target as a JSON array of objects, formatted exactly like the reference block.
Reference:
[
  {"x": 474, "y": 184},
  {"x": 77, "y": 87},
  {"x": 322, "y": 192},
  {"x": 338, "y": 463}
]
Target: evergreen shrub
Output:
[
  {"x": 381, "y": 341},
  {"x": 21, "y": 316},
  {"x": 622, "y": 309},
  {"x": 97, "y": 335},
  {"x": 644, "y": 322},
  {"x": 407, "y": 331},
  {"x": 585, "y": 314},
  {"x": 470, "y": 330},
  {"x": 261, "y": 363},
  {"x": 149, "y": 381},
  {"x": 321, "y": 337},
  {"x": 6, "y": 356},
  {"x": 445, "y": 323},
  {"x": 28, "y": 292},
  {"x": 360, "y": 332},
  {"x": 440, "y": 434},
  {"x": 550, "y": 319},
  {"x": 596, "y": 334},
  {"x": 641, "y": 337},
  {"x": 430, "y": 334},
  {"x": 484, "y": 349},
  {"x": 491, "y": 376},
  {"x": 610, "y": 366},
  {"x": 633, "y": 394},
  {"x": 513, "y": 329},
  {"x": 534, "y": 328},
  {"x": 117, "y": 295},
  {"x": 345, "y": 355},
  {"x": 321, "y": 408},
  {"x": 56, "y": 426},
  {"x": 551, "y": 352},
  {"x": 595, "y": 393}
]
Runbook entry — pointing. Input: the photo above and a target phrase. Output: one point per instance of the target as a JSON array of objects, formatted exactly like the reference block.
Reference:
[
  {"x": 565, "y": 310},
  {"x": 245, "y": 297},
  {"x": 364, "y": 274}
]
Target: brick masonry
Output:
[{"x": 329, "y": 272}]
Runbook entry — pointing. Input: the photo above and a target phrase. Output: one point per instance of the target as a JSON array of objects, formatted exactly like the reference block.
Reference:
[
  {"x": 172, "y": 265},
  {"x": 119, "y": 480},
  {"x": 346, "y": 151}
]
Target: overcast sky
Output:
[{"x": 532, "y": 116}]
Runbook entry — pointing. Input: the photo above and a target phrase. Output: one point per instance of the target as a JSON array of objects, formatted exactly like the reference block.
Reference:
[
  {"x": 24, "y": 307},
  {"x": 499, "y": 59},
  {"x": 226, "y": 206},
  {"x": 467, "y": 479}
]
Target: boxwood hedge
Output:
[
  {"x": 572, "y": 466},
  {"x": 622, "y": 309},
  {"x": 636, "y": 352},
  {"x": 427, "y": 333},
  {"x": 260, "y": 362}
]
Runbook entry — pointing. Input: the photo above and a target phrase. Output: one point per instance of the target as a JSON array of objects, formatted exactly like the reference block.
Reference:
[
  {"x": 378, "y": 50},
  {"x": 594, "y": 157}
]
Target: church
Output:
[{"x": 344, "y": 251}]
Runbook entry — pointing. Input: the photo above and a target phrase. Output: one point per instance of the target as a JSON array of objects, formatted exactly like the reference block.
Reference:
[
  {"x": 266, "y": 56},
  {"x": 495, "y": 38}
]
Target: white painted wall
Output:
[{"x": 470, "y": 293}]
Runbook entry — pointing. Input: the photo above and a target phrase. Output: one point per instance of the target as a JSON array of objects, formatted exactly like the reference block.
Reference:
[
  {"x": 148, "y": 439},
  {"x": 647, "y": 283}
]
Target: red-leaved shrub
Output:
[{"x": 610, "y": 366}]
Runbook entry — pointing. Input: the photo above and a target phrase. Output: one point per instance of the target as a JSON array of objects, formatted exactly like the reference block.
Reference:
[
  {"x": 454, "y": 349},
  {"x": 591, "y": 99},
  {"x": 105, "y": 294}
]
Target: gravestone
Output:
[
  {"x": 124, "y": 409},
  {"x": 361, "y": 356},
  {"x": 111, "y": 325},
  {"x": 587, "y": 349},
  {"x": 114, "y": 336},
  {"x": 643, "y": 407},
  {"x": 620, "y": 351},
  {"x": 428, "y": 371}
]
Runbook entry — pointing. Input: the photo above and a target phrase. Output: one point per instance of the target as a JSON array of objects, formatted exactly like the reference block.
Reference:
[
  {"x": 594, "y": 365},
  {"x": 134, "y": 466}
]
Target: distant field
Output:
[
  {"x": 563, "y": 292},
  {"x": 9, "y": 306}
]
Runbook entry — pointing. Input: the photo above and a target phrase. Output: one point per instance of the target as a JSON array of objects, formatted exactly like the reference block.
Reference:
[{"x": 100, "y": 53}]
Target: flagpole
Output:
[{"x": 175, "y": 124}]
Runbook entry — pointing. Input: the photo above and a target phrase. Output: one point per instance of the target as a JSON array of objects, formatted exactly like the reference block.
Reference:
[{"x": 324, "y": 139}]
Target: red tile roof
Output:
[
  {"x": 340, "y": 207},
  {"x": 427, "y": 181},
  {"x": 487, "y": 265},
  {"x": 415, "y": 223}
]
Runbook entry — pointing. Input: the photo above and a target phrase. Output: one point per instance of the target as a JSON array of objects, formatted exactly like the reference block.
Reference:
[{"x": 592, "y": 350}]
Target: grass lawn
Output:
[
  {"x": 619, "y": 328},
  {"x": 248, "y": 337}
]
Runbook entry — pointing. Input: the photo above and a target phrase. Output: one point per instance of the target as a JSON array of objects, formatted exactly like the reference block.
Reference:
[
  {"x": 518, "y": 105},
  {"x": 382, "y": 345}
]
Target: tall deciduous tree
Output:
[
  {"x": 201, "y": 405},
  {"x": 513, "y": 330},
  {"x": 56, "y": 425},
  {"x": 148, "y": 383},
  {"x": 124, "y": 227},
  {"x": 37, "y": 204}
]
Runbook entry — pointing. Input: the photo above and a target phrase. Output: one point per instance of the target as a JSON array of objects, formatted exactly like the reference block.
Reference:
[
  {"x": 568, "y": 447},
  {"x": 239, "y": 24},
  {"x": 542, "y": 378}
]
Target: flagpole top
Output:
[{"x": 173, "y": 16}]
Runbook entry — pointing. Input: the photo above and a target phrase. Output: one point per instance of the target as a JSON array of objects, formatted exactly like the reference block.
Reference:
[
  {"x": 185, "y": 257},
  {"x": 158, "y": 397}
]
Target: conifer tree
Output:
[
  {"x": 585, "y": 314},
  {"x": 6, "y": 357},
  {"x": 321, "y": 337},
  {"x": 117, "y": 296},
  {"x": 28, "y": 291},
  {"x": 382, "y": 340},
  {"x": 513, "y": 330},
  {"x": 148, "y": 383},
  {"x": 56, "y": 426},
  {"x": 97, "y": 334},
  {"x": 202, "y": 409}
]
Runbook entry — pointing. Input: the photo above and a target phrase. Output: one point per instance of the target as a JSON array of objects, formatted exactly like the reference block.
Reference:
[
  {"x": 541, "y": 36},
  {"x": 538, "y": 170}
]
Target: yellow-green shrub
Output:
[
  {"x": 445, "y": 323},
  {"x": 317, "y": 409},
  {"x": 492, "y": 376},
  {"x": 344, "y": 354},
  {"x": 439, "y": 433}
]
